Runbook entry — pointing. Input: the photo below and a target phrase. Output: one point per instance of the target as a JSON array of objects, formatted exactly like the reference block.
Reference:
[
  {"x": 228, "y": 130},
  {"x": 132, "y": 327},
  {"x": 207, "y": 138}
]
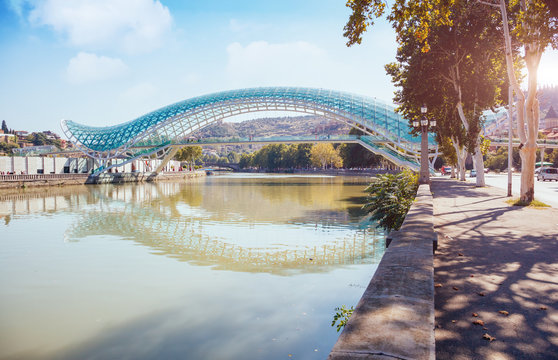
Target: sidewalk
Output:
[{"x": 494, "y": 257}]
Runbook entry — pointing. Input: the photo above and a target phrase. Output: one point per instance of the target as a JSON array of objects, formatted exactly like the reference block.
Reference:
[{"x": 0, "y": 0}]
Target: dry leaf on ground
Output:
[
  {"x": 475, "y": 314},
  {"x": 478, "y": 322},
  {"x": 481, "y": 294},
  {"x": 459, "y": 254},
  {"x": 543, "y": 307},
  {"x": 488, "y": 337},
  {"x": 455, "y": 288},
  {"x": 438, "y": 285},
  {"x": 504, "y": 312}
]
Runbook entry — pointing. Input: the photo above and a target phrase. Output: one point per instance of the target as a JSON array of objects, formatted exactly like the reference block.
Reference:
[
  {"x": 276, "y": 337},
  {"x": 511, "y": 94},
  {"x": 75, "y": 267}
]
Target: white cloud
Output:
[
  {"x": 131, "y": 26},
  {"x": 17, "y": 6},
  {"x": 295, "y": 63},
  {"x": 87, "y": 67}
]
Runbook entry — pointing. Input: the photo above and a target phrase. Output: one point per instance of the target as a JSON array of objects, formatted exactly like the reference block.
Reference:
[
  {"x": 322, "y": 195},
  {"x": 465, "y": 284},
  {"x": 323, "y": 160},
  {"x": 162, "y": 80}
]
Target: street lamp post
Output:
[{"x": 424, "y": 176}]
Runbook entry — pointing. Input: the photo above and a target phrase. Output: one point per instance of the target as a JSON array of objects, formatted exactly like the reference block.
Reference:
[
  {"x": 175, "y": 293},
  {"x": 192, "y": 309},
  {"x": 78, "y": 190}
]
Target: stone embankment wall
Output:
[
  {"x": 21, "y": 181},
  {"x": 32, "y": 165},
  {"x": 394, "y": 319},
  {"x": 120, "y": 178}
]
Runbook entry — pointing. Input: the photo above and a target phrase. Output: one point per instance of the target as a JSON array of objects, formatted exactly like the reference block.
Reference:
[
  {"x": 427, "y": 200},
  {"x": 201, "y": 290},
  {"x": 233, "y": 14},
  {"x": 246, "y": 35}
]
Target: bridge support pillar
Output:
[{"x": 166, "y": 159}]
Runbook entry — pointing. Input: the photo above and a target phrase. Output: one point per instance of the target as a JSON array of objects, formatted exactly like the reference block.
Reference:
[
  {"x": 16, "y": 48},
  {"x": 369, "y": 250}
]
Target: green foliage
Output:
[
  {"x": 5, "y": 127},
  {"x": 277, "y": 156},
  {"x": 534, "y": 203},
  {"x": 342, "y": 315},
  {"x": 7, "y": 147},
  {"x": 356, "y": 156},
  {"x": 324, "y": 155},
  {"x": 39, "y": 139},
  {"x": 245, "y": 161},
  {"x": 498, "y": 160},
  {"x": 391, "y": 197},
  {"x": 188, "y": 154},
  {"x": 554, "y": 158}
]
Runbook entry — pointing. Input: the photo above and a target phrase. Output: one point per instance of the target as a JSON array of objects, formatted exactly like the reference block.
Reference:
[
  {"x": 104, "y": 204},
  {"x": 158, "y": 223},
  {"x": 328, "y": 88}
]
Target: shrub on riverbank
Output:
[{"x": 390, "y": 198}]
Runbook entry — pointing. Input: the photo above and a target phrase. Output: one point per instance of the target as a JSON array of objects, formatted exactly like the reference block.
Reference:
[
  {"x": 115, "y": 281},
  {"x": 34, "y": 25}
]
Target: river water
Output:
[{"x": 222, "y": 267}]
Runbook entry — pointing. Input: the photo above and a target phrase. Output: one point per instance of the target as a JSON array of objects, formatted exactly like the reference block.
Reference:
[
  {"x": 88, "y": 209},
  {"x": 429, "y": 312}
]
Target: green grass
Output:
[{"x": 535, "y": 203}]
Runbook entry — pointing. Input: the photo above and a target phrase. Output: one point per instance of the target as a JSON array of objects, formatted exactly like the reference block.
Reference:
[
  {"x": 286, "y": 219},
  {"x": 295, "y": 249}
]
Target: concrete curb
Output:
[{"x": 394, "y": 319}]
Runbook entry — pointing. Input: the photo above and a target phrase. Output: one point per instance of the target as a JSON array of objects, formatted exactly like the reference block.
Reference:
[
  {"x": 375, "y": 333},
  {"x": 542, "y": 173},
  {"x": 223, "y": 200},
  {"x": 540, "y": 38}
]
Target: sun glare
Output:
[{"x": 548, "y": 69}]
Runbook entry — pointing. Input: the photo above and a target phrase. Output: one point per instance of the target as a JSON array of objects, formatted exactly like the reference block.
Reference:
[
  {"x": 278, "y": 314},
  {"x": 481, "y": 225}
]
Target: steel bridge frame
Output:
[{"x": 157, "y": 132}]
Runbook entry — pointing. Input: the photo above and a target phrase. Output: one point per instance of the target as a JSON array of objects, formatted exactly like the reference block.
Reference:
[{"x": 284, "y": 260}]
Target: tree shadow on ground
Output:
[{"x": 498, "y": 262}]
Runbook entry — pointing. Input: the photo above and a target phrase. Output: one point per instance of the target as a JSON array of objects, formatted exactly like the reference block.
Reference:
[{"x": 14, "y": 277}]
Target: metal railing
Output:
[{"x": 26, "y": 177}]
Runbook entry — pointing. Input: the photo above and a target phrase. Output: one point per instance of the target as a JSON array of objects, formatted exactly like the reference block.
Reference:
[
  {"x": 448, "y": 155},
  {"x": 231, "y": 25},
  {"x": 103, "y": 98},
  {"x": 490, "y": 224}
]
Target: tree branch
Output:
[{"x": 488, "y": 3}]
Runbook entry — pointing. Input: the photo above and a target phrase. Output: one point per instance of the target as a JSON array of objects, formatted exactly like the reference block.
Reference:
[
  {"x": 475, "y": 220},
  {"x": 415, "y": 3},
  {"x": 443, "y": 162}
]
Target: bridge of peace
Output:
[{"x": 163, "y": 132}]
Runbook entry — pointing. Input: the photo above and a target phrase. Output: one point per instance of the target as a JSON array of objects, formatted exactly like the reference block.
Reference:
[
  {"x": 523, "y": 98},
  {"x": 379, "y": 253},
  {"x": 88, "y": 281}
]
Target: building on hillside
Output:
[
  {"x": 21, "y": 133},
  {"x": 7, "y": 138},
  {"x": 550, "y": 121},
  {"x": 51, "y": 135}
]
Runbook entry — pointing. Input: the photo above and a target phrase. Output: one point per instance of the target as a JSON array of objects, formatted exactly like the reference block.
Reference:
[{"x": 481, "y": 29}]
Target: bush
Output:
[{"x": 391, "y": 197}]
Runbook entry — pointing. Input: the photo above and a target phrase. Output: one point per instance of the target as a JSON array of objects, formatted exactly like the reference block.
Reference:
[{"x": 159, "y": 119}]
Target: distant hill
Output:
[{"x": 279, "y": 126}]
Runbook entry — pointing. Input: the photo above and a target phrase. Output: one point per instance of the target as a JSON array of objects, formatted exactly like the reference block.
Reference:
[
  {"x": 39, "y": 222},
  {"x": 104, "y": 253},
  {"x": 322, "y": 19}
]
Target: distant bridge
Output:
[{"x": 163, "y": 131}]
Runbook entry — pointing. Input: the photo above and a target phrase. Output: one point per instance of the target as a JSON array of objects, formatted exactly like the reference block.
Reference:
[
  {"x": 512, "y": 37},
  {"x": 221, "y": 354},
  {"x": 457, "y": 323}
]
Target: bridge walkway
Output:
[{"x": 375, "y": 144}]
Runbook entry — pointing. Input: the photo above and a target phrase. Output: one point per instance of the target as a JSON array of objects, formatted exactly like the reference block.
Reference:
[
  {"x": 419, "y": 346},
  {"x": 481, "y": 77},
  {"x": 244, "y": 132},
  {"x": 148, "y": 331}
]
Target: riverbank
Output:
[
  {"x": 395, "y": 316},
  {"x": 39, "y": 180},
  {"x": 495, "y": 272}
]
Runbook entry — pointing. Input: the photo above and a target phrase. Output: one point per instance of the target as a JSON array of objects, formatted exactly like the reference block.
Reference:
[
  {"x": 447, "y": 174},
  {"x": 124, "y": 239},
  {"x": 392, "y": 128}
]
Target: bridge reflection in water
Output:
[
  {"x": 87, "y": 261},
  {"x": 237, "y": 223}
]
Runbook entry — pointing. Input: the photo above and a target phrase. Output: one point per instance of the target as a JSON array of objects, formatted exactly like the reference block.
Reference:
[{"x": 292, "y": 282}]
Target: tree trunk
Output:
[
  {"x": 479, "y": 165},
  {"x": 529, "y": 107},
  {"x": 461, "y": 155},
  {"x": 528, "y": 152}
]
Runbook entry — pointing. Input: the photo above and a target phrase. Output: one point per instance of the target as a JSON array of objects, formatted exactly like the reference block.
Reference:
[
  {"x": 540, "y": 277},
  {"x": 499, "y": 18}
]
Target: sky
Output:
[{"x": 104, "y": 62}]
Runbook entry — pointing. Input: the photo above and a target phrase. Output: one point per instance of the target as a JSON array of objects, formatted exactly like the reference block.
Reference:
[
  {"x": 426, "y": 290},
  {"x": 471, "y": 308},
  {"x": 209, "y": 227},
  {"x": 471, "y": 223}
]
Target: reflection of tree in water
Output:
[
  {"x": 156, "y": 220},
  {"x": 268, "y": 199}
]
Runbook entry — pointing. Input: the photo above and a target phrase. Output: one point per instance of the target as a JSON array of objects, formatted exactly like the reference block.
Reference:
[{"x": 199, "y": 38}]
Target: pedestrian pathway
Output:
[{"x": 495, "y": 275}]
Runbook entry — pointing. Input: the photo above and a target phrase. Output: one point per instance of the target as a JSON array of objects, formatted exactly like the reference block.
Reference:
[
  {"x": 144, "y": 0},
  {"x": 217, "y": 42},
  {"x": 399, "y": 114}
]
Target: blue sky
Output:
[{"x": 103, "y": 62}]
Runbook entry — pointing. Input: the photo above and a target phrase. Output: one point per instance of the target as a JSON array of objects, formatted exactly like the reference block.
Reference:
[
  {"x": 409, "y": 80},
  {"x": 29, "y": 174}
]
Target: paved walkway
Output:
[{"x": 499, "y": 262}]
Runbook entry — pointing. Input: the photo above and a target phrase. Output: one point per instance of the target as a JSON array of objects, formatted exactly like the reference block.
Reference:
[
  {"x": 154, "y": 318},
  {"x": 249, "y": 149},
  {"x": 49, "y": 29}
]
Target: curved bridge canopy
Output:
[{"x": 171, "y": 125}]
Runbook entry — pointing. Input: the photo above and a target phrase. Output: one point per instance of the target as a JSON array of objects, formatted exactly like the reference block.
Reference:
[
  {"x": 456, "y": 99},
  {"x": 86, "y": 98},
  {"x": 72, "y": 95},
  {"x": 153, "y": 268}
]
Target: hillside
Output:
[{"x": 279, "y": 126}]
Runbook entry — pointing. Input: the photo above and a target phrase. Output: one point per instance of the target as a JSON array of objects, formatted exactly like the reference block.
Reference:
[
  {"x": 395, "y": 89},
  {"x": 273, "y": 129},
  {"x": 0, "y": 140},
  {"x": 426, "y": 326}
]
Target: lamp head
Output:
[{"x": 423, "y": 109}]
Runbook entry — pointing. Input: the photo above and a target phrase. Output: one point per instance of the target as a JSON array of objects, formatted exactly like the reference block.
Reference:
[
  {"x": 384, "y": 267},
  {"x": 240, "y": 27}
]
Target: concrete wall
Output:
[
  {"x": 56, "y": 165},
  {"x": 394, "y": 319}
]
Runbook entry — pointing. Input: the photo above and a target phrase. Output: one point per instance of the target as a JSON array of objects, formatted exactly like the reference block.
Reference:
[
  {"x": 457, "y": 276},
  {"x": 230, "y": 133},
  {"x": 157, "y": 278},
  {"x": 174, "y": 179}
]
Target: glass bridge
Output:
[{"x": 163, "y": 131}]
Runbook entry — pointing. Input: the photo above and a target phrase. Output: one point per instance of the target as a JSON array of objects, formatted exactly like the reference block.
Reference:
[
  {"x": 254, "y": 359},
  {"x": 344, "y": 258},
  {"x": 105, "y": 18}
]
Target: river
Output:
[{"x": 224, "y": 267}]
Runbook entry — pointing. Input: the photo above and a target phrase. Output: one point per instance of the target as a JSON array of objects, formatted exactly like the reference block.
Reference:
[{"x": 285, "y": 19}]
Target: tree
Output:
[
  {"x": 390, "y": 198},
  {"x": 323, "y": 154},
  {"x": 5, "y": 127},
  {"x": 303, "y": 155},
  {"x": 233, "y": 157},
  {"x": 246, "y": 161},
  {"x": 7, "y": 148},
  {"x": 533, "y": 24},
  {"x": 354, "y": 155},
  {"x": 448, "y": 59},
  {"x": 189, "y": 154}
]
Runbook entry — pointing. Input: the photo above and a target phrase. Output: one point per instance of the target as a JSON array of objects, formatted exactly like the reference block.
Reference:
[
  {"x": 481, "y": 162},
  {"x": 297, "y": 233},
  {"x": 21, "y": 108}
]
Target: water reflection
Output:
[
  {"x": 268, "y": 224},
  {"x": 87, "y": 262}
]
